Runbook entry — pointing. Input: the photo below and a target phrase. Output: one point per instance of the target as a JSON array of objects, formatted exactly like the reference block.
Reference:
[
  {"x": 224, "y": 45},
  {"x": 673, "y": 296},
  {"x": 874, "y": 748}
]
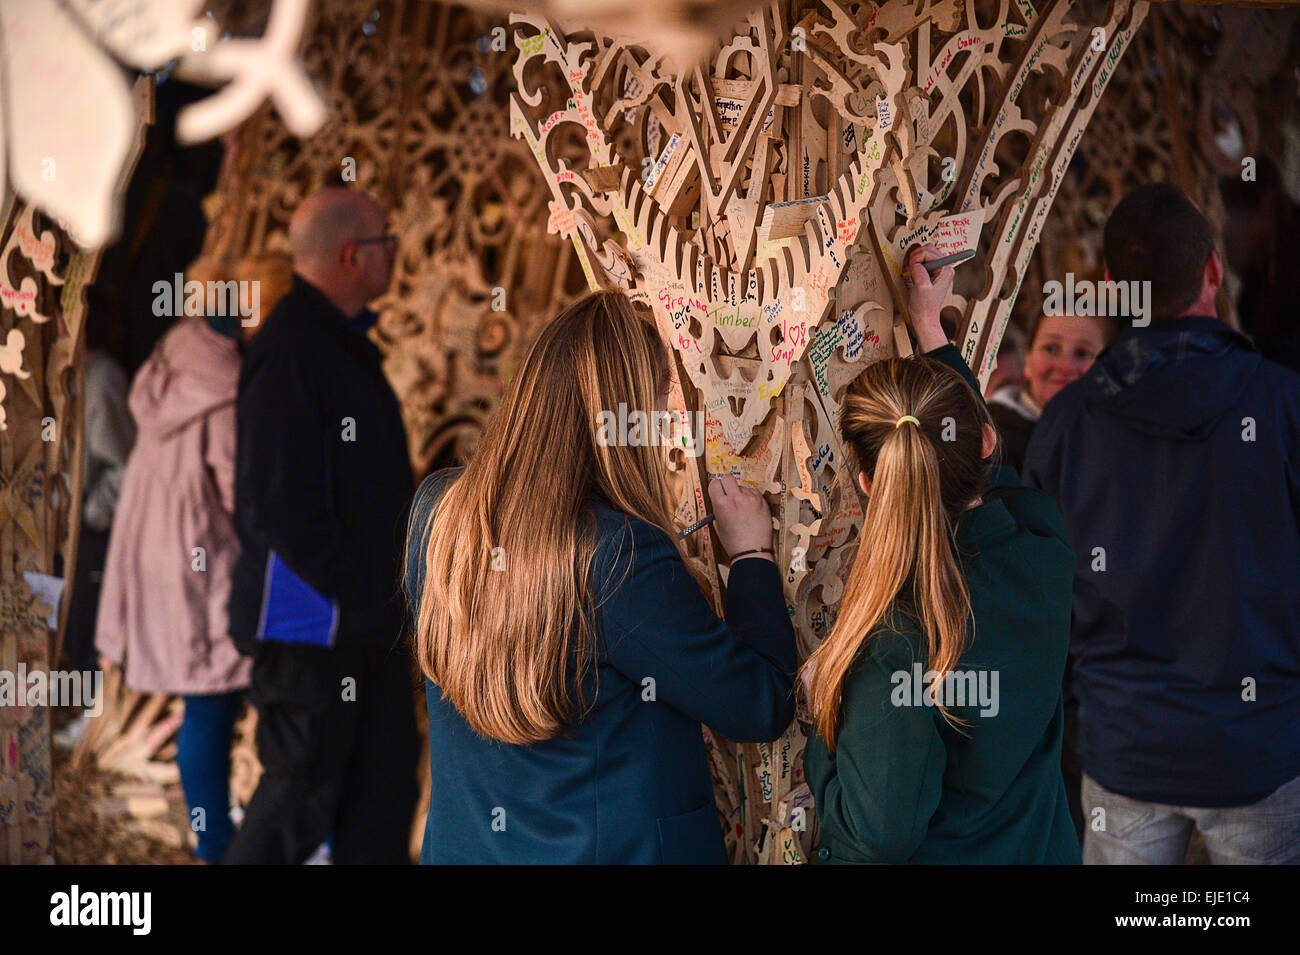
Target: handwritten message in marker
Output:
[{"x": 955, "y": 233}]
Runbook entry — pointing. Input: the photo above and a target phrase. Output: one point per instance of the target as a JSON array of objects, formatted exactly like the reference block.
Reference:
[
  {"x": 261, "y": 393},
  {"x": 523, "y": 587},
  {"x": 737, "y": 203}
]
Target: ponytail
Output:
[{"x": 920, "y": 484}]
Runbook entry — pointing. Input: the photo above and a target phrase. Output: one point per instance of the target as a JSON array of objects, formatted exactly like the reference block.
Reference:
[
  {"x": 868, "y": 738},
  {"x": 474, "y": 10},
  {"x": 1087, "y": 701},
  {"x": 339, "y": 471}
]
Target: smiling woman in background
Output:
[{"x": 1061, "y": 349}]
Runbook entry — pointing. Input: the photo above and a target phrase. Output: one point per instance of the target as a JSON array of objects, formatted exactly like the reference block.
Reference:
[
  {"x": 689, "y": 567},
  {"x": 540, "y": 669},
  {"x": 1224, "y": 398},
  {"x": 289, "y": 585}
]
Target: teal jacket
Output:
[
  {"x": 906, "y": 786},
  {"x": 630, "y": 782}
]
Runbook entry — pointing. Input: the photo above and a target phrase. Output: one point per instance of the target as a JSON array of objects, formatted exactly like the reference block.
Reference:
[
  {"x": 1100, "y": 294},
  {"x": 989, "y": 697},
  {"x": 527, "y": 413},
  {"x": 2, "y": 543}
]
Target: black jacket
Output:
[
  {"x": 322, "y": 473},
  {"x": 1176, "y": 461}
]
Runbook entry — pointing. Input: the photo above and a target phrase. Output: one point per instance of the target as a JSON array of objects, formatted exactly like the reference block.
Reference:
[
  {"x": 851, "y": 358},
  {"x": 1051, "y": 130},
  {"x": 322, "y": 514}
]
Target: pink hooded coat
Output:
[{"x": 163, "y": 603}]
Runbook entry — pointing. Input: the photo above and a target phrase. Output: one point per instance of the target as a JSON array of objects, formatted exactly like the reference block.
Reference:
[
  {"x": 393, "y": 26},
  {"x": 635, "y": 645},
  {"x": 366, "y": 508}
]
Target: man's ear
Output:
[
  {"x": 989, "y": 441},
  {"x": 1214, "y": 270},
  {"x": 864, "y": 482}
]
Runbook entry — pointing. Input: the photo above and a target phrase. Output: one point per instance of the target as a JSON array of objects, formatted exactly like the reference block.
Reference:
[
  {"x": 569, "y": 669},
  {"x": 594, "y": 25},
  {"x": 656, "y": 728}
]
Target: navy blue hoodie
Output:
[{"x": 1176, "y": 461}]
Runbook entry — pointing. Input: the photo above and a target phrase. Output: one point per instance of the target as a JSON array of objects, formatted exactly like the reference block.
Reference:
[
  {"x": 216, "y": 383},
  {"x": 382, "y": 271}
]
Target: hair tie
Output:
[{"x": 907, "y": 417}]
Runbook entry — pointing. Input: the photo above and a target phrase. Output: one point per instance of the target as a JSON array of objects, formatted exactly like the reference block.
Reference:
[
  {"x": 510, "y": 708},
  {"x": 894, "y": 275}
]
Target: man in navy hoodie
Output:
[{"x": 1176, "y": 460}]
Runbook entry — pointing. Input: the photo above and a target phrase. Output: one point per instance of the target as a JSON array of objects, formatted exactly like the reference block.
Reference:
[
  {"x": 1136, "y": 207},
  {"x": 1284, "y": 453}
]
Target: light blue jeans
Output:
[{"x": 1123, "y": 831}]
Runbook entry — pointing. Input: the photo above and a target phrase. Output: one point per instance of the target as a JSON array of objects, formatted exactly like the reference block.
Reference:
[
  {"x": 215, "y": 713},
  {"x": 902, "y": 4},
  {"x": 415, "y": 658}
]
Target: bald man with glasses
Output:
[{"x": 323, "y": 485}]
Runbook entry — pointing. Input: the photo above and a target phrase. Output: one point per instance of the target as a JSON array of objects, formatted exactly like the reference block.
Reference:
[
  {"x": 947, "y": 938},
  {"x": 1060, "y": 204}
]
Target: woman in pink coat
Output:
[{"x": 170, "y": 556}]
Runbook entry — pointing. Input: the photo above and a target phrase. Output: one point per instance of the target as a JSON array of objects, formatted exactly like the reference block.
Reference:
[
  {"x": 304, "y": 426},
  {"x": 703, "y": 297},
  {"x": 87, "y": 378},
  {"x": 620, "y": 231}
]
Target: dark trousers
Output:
[
  {"x": 83, "y": 606},
  {"x": 337, "y": 739}
]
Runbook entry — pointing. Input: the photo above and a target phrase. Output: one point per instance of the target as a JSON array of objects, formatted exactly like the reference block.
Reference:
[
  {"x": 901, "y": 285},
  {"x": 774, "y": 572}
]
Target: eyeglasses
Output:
[{"x": 389, "y": 240}]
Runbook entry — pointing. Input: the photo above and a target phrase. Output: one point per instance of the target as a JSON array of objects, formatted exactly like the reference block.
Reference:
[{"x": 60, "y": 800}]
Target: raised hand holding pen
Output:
[{"x": 926, "y": 296}]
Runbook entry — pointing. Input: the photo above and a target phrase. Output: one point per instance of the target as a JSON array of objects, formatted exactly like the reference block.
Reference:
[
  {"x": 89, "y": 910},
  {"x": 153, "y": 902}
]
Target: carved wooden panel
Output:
[
  {"x": 1205, "y": 88},
  {"x": 43, "y": 277},
  {"x": 42, "y": 280}
]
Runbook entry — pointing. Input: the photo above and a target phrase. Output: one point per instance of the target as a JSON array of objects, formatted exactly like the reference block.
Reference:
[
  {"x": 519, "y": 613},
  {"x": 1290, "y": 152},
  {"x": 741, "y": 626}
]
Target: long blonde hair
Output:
[
  {"x": 922, "y": 478},
  {"x": 504, "y": 626}
]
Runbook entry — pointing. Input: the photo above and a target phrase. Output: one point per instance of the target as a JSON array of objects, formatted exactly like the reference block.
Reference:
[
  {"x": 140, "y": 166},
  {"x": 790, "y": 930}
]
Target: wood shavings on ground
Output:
[{"x": 107, "y": 819}]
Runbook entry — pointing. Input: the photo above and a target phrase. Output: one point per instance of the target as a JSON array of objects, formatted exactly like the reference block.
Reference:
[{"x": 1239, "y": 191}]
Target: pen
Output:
[
  {"x": 702, "y": 522},
  {"x": 935, "y": 264}
]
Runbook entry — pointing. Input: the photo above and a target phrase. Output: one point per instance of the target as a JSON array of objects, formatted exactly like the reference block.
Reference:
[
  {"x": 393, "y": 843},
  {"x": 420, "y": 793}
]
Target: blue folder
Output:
[{"x": 292, "y": 612}]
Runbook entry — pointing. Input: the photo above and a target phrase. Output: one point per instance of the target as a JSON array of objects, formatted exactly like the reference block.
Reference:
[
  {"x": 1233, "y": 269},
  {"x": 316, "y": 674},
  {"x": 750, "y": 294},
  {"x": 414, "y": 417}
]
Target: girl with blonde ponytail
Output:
[
  {"x": 937, "y": 695},
  {"x": 569, "y": 657}
]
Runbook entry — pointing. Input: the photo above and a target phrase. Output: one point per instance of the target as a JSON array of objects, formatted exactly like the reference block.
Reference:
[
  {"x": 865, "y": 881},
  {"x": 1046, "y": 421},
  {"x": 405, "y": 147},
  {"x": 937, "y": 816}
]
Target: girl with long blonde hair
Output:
[
  {"x": 570, "y": 658},
  {"x": 936, "y": 697}
]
